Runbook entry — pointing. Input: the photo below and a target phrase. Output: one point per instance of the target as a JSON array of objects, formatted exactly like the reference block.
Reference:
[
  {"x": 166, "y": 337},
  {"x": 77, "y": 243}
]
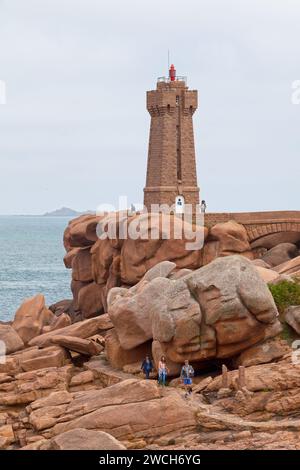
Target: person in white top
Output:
[{"x": 162, "y": 371}]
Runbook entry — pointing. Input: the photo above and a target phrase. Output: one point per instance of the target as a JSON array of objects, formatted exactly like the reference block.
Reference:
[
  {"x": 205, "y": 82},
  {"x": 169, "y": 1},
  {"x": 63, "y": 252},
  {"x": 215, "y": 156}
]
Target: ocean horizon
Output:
[{"x": 31, "y": 255}]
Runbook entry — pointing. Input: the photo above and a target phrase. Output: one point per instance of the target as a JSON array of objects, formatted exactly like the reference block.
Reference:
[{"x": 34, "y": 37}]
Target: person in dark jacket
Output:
[{"x": 147, "y": 366}]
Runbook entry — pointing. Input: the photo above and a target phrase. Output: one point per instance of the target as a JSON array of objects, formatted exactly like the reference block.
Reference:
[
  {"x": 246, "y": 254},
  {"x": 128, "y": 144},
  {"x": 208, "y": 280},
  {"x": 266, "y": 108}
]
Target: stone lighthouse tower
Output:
[{"x": 171, "y": 170}]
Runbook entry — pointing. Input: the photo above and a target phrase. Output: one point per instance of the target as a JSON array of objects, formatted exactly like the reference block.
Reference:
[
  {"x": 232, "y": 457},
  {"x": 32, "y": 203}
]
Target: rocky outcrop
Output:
[
  {"x": 269, "y": 351},
  {"x": 215, "y": 312},
  {"x": 53, "y": 400},
  {"x": 226, "y": 239},
  {"x": 289, "y": 267},
  {"x": 81, "y": 232},
  {"x": 25, "y": 387},
  {"x": 137, "y": 243},
  {"x": 72, "y": 376},
  {"x": 86, "y": 347},
  {"x": 33, "y": 359},
  {"x": 101, "y": 264},
  {"x": 127, "y": 409},
  {"x": 280, "y": 254},
  {"x": 263, "y": 414},
  {"x": 83, "y": 329},
  {"x": 84, "y": 439},
  {"x": 280, "y": 376},
  {"x": 31, "y": 317}
]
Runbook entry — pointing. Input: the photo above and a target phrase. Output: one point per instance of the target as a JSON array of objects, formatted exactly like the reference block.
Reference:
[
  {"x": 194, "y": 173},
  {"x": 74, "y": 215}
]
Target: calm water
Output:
[{"x": 31, "y": 261}]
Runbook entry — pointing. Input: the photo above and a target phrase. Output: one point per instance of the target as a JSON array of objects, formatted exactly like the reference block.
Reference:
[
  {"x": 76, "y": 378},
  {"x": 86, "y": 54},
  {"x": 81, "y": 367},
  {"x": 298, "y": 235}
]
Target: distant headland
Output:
[
  {"x": 65, "y": 212},
  {"x": 62, "y": 212}
]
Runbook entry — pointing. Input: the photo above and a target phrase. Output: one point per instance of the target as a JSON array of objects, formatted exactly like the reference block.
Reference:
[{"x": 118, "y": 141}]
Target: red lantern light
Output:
[{"x": 172, "y": 73}]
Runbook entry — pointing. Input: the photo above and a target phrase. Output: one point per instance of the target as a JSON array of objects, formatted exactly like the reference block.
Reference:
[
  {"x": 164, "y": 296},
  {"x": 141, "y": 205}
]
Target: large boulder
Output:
[
  {"x": 31, "y": 317},
  {"x": 130, "y": 409},
  {"x": 126, "y": 259},
  {"x": 214, "y": 312},
  {"x": 135, "y": 244},
  {"x": 280, "y": 254},
  {"x": 86, "y": 347},
  {"x": 83, "y": 329},
  {"x": 11, "y": 339},
  {"x": 81, "y": 231},
  {"x": 226, "y": 239},
  {"x": 33, "y": 359},
  {"x": 85, "y": 439},
  {"x": 262, "y": 353},
  {"x": 141, "y": 254},
  {"x": 270, "y": 241}
]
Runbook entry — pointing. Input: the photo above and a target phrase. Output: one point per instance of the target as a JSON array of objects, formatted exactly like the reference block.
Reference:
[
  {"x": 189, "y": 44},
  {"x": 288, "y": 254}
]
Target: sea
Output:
[{"x": 31, "y": 261}]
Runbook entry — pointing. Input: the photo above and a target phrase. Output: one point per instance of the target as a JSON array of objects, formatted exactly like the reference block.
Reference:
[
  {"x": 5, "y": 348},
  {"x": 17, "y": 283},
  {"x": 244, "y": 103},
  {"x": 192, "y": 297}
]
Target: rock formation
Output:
[
  {"x": 99, "y": 264},
  {"x": 214, "y": 312},
  {"x": 71, "y": 378}
]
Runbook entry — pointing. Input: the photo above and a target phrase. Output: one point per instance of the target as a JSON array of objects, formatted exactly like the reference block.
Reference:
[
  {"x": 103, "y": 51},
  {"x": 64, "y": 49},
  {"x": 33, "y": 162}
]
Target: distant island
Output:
[{"x": 65, "y": 212}]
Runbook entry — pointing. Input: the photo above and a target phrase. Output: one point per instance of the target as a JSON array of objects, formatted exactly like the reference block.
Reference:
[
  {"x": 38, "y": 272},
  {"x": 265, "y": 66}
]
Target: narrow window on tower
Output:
[
  {"x": 178, "y": 153},
  {"x": 177, "y": 100}
]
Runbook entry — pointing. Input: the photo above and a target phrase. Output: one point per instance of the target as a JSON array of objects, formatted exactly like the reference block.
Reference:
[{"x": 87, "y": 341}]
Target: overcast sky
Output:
[{"x": 74, "y": 131}]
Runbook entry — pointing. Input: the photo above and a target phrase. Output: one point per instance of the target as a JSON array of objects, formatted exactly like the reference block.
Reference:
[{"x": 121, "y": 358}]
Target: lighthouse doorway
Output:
[{"x": 179, "y": 204}]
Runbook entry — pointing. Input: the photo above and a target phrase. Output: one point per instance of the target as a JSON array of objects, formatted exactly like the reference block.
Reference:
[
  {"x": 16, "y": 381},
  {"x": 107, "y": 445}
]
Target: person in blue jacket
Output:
[{"x": 147, "y": 366}]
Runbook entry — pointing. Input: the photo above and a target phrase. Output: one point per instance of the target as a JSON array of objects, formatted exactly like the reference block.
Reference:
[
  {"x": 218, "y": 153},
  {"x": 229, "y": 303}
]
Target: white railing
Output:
[{"x": 168, "y": 80}]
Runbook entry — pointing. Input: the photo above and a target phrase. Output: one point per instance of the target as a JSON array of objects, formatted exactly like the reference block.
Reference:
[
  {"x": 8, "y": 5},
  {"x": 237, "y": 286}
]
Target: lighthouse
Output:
[{"x": 171, "y": 169}]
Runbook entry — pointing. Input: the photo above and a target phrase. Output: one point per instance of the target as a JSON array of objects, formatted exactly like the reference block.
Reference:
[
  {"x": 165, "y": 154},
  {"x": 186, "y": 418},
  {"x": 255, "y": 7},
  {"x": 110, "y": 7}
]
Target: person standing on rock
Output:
[
  {"x": 187, "y": 372},
  {"x": 203, "y": 206},
  {"x": 162, "y": 371},
  {"x": 147, "y": 366}
]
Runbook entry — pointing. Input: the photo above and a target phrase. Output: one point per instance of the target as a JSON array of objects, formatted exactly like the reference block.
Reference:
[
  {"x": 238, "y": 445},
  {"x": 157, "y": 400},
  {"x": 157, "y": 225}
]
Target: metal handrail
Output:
[{"x": 168, "y": 80}]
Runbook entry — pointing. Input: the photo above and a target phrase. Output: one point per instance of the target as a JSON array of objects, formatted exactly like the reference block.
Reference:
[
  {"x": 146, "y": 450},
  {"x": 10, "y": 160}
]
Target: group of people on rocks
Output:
[{"x": 186, "y": 375}]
